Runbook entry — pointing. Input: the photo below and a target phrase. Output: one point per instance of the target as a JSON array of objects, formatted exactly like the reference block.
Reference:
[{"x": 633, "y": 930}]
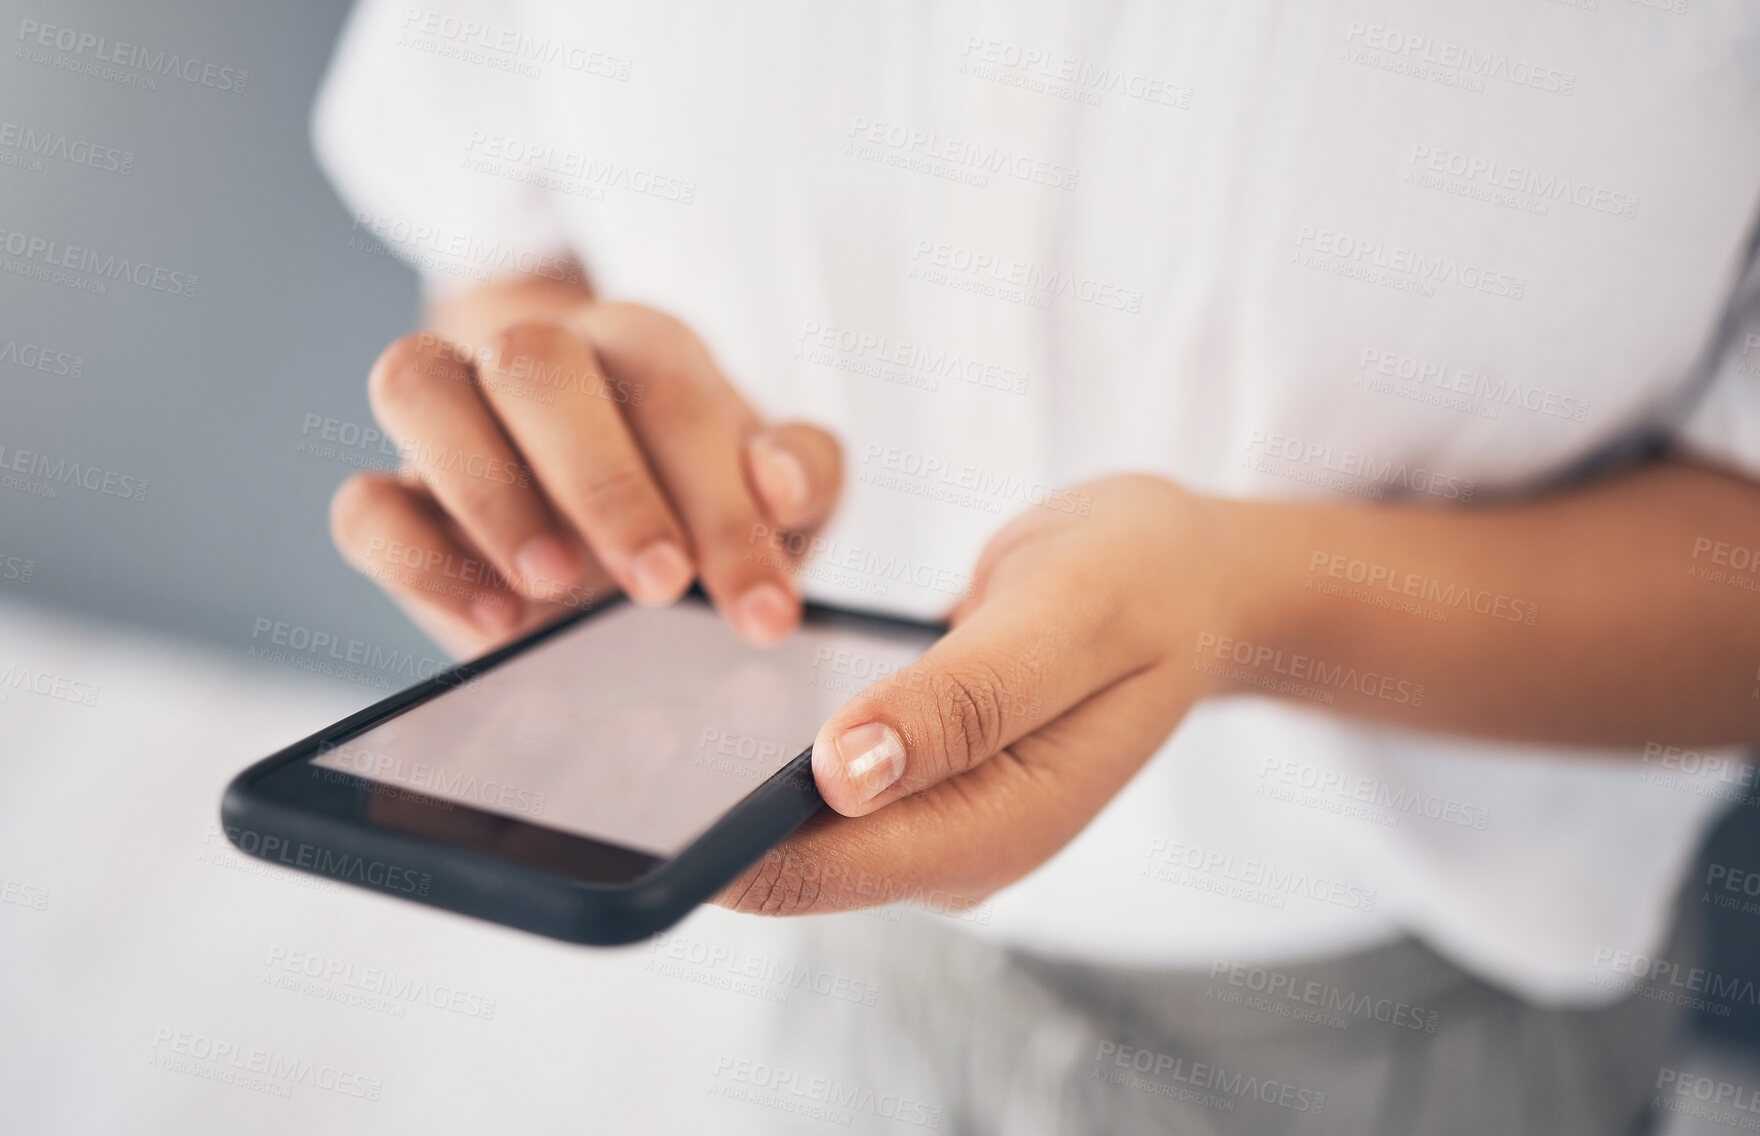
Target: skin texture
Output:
[
  {"x": 1589, "y": 617},
  {"x": 579, "y": 449}
]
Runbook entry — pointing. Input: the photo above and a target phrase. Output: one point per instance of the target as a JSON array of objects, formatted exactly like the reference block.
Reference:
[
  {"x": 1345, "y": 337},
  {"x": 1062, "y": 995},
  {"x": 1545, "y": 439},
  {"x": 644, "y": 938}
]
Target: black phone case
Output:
[{"x": 495, "y": 888}]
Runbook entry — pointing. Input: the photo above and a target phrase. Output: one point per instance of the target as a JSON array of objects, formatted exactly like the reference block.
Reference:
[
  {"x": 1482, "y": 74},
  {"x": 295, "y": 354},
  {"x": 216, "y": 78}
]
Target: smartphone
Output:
[{"x": 593, "y": 781}]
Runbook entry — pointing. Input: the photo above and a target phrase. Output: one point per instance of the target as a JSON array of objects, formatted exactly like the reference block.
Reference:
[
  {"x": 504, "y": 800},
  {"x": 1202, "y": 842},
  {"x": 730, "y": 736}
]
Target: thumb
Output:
[
  {"x": 1007, "y": 668},
  {"x": 796, "y": 472}
]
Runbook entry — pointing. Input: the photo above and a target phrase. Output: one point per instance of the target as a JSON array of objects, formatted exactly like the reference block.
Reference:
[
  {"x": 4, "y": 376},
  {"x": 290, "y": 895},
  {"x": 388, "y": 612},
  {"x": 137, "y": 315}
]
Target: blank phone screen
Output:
[{"x": 637, "y": 727}]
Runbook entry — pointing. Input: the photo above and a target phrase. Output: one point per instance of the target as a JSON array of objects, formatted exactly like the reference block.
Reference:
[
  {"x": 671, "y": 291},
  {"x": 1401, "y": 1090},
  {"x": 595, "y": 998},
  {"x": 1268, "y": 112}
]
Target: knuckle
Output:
[
  {"x": 619, "y": 490},
  {"x": 779, "y": 884},
  {"x": 725, "y": 542},
  {"x": 642, "y": 320},
  {"x": 969, "y": 702},
  {"x": 529, "y": 340},
  {"x": 501, "y": 509},
  {"x": 670, "y": 398}
]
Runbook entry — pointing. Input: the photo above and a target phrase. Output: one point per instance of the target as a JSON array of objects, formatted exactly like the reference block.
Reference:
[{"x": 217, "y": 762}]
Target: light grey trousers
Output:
[{"x": 967, "y": 1037}]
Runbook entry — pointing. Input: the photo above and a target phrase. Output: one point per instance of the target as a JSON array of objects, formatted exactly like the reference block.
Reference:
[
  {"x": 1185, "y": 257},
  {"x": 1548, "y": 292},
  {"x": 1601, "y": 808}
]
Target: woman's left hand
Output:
[{"x": 1064, "y": 671}]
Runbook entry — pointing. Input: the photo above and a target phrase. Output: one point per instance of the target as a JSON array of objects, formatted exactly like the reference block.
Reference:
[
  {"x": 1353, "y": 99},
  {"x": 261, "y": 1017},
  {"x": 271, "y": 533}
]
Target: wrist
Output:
[{"x": 1242, "y": 604}]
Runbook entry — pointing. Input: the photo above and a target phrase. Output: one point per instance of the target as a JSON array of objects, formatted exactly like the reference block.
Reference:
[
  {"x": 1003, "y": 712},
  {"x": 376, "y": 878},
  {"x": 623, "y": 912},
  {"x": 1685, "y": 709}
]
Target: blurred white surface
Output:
[
  {"x": 153, "y": 927},
  {"x": 135, "y": 943}
]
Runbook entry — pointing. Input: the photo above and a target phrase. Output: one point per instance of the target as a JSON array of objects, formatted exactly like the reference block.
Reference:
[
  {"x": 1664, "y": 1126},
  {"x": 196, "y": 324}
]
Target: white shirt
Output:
[{"x": 1267, "y": 250}]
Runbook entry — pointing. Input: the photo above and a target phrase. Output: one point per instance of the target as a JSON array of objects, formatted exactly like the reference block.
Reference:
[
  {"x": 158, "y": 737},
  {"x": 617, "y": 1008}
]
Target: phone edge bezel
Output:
[{"x": 545, "y": 901}]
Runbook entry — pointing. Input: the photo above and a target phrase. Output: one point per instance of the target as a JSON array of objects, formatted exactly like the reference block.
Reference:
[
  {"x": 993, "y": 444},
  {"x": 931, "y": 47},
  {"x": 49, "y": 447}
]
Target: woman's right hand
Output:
[{"x": 573, "y": 456}]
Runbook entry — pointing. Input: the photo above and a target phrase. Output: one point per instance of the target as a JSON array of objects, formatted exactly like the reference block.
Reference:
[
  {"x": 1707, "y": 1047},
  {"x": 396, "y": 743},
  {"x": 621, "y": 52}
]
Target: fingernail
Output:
[
  {"x": 873, "y": 758},
  {"x": 782, "y": 479},
  {"x": 544, "y": 561},
  {"x": 493, "y": 614},
  {"x": 659, "y": 574},
  {"x": 764, "y": 614}
]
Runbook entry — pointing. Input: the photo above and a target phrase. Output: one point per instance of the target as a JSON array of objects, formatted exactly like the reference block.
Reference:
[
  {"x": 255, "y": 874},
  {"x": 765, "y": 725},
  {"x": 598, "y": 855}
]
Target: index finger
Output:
[
  {"x": 584, "y": 456},
  {"x": 694, "y": 426}
]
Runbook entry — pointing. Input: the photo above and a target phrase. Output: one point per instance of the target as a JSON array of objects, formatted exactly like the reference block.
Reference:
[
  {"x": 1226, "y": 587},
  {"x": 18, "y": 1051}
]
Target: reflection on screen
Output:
[{"x": 637, "y": 727}]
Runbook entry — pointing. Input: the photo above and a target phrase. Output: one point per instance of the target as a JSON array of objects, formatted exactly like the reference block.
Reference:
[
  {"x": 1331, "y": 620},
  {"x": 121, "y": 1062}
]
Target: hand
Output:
[
  {"x": 572, "y": 457},
  {"x": 1064, "y": 670}
]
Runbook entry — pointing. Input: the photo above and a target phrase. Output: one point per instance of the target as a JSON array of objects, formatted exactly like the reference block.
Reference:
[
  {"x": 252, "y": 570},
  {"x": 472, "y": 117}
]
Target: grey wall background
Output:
[{"x": 204, "y": 396}]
